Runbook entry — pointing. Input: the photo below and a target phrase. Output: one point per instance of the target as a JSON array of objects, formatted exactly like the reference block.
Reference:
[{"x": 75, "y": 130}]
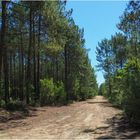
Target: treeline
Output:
[
  {"x": 119, "y": 57},
  {"x": 43, "y": 59}
]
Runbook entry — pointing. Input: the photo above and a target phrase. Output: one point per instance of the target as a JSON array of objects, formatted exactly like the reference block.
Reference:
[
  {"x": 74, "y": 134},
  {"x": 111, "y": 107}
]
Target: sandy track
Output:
[{"x": 91, "y": 119}]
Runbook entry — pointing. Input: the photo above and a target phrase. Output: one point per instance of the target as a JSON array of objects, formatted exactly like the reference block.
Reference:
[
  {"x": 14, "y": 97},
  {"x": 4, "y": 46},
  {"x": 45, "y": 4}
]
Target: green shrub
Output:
[
  {"x": 125, "y": 90},
  {"x": 52, "y": 93},
  {"x": 16, "y": 106},
  {"x": 47, "y": 91},
  {"x": 60, "y": 95},
  {"x": 132, "y": 89},
  {"x": 84, "y": 93},
  {"x": 75, "y": 89},
  {"x": 132, "y": 109},
  {"x": 2, "y": 103}
]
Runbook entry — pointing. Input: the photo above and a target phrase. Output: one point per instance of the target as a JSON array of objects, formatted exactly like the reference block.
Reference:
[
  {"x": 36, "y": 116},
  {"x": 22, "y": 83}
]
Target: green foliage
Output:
[
  {"x": 46, "y": 61},
  {"x": 53, "y": 49},
  {"x": 75, "y": 89},
  {"x": 60, "y": 95},
  {"x": 132, "y": 88},
  {"x": 2, "y": 103},
  {"x": 47, "y": 91},
  {"x": 15, "y": 105},
  {"x": 102, "y": 90},
  {"x": 132, "y": 109},
  {"x": 51, "y": 93},
  {"x": 120, "y": 61}
]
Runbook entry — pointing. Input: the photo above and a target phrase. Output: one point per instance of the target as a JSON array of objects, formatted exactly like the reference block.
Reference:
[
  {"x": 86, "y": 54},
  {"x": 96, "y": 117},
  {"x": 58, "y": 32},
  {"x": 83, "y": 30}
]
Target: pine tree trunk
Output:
[
  {"x": 34, "y": 60},
  {"x": 5, "y": 55},
  {"x": 29, "y": 58},
  {"x": 66, "y": 73},
  {"x": 21, "y": 66},
  {"x": 38, "y": 60}
]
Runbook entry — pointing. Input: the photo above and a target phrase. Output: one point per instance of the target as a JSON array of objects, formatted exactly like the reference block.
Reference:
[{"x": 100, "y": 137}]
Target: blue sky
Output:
[{"x": 99, "y": 19}]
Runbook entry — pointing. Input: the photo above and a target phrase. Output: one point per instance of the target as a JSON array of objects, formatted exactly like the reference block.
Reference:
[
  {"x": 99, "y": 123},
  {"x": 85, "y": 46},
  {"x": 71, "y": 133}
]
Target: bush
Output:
[
  {"x": 16, "y": 106},
  {"x": 60, "y": 95},
  {"x": 131, "y": 90},
  {"x": 84, "y": 93},
  {"x": 75, "y": 89},
  {"x": 2, "y": 103},
  {"x": 125, "y": 90},
  {"x": 51, "y": 93},
  {"x": 132, "y": 109},
  {"x": 47, "y": 91}
]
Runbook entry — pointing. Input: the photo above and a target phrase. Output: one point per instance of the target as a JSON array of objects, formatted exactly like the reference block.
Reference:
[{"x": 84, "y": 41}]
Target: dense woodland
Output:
[
  {"x": 43, "y": 59},
  {"x": 119, "y": 58}
]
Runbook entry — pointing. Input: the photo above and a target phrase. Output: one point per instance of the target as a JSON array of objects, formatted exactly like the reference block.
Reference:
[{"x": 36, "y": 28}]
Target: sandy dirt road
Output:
[{"x": 91, "y": 119}]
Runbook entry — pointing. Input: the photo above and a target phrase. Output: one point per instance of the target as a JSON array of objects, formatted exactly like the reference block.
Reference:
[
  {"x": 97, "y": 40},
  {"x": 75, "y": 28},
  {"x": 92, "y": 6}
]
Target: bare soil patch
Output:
[{"x": 91, "y": 119}]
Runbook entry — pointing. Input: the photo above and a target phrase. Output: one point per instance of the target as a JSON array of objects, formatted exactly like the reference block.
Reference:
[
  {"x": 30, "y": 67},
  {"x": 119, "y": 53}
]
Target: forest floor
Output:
[{"x": 91, "y": 119}]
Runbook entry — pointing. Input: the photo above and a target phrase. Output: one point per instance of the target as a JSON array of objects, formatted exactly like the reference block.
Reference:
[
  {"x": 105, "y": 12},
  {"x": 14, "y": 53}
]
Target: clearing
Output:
[{"x": 91, "y": 119}]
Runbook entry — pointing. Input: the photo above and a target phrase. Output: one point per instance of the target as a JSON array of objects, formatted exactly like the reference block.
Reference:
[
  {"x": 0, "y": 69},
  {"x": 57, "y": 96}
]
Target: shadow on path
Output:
[
  {"x": 119, "y": 127},
  {"x": 12, "y": 119},
  {"x": 116, "y": 127},
  {"x": 98, "y": 102}
]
